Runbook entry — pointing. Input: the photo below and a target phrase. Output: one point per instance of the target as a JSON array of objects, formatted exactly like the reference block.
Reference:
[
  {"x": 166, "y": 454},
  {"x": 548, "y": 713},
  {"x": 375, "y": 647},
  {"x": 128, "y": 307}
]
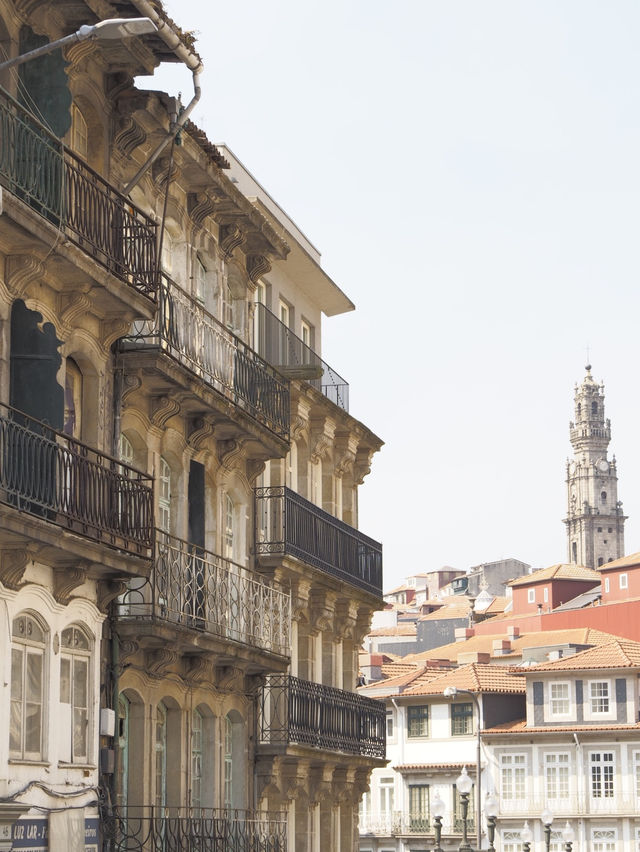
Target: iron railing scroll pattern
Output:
[
  {"x": 324, "y": 717},
  {"x": 184, "y": 329},
  {"x": 287, "y": 523},
  {"x": 278, "y": 345},
  {"x": 47, "y": 473},
  {"x": 165, "y": 829},
  {"x": 195, "y": 588},
  {"x": 38, "y": 168}
]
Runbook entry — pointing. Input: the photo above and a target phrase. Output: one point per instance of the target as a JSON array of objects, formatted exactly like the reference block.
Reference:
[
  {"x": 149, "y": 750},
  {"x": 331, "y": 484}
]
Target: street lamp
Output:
[
  {"x": 463, "y": 786},
  {"x": 451, "y": 692},
  {"x": 491, "y": 812},
  {"x": 526, "y": 835},
  {"x": 438, "y": 808},
  {"x": 568, "y": 836},
  {"x": 547, "y": 818},
  {"x": 108, "y": 30}
]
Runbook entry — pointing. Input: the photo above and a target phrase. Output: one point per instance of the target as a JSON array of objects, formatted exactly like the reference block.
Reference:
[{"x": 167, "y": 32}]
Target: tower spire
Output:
[{"x": 595, "y": 521}]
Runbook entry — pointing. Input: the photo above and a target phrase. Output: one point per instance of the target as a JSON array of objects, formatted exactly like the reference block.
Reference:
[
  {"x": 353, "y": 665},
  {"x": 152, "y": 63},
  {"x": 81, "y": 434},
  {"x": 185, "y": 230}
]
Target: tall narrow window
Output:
[
  {"x": 72, "y": 399},
  {"x": 512, "y": 776},
  {"x": 599, "y": 695},
  {"x": 161, "y": 756},
  {"x": 602, "y": 775},
  {"x": 74, "y": 694},
  {"x": 418, "y": 721},
  {"x": 126, "y": 450},
  {"x": 200, "y": 283},
  {"x": 228, "y": 762},
  {"x": 457, "y": 809},
  {"x": 419, "y": 807},
  {"x": 123, "y": 750},
  {"x": 386, "y": 797},
  {"x": 196, "y": 759},
  {"x": 164, "y": 496},
  {"x": 461, "y": 719},
  {"x": 559, "y": 699},
  {"x": 228, "y": 526},
  {"x": 227, "y": 307},
  {"x": 556, "y": 776},
  {"x": 27, "y": 676},
  {"x": 79, "y": 133},
  {"x": 603, "y": 840}
]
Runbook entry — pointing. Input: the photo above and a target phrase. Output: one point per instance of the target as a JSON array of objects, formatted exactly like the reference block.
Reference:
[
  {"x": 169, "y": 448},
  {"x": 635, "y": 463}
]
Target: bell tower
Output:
[{"x": 595, "y": 521}]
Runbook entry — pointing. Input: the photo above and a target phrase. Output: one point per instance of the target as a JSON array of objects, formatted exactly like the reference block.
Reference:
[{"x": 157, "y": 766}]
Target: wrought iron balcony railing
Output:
[
  {"x": 287, "y": 352},
  {"x": 197, "y": 589},
  {"x": 398, "y": 822},
  {"x": 49, "y": 474},
  {"x": 323, "y": 717},
  {"x": 286, "y": 523},
  {"x": 37, "y": 168},
  {"x": 194, "y": 337},
  {"x": 162, "y": 829}
]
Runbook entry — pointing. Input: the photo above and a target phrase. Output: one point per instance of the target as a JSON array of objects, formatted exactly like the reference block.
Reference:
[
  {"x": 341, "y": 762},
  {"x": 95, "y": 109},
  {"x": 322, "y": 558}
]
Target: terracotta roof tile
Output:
[
  {"x": 473, "y": 677},
  {"x": 520, "y": 727},
  {"x": 562, "y": 571},
  {"x": 498, "y": 604},
  {"x": 399, "y": 630},
  {"x": 434, "y": 767},
  {"x": 629, "y": 561},
  {"x": 621, "y": 654},
  {"x": 457, "y": 609}
]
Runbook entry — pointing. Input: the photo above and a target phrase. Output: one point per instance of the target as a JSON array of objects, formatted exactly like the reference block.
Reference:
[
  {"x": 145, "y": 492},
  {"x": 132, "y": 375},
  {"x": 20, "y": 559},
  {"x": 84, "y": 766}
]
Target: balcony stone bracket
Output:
[
  {"x": 14, "y": 562},
  {"x": 322, "y": 609},
  {"x": 20, "y": 271},
  {"x": 257, "y": 266},
  {"x": 199, "y": 432},
  {"x": 109, "y": 590},
  {"x": 159, "y": 661},
  {"x": 67, "y": 579},
  {"x": 162, "y": 409},
  {"x": 346, "y": 619},
  {"x": 320, "y": 783},
  {"x": 228, "y": 678},
  {"x": 197, "y": 670}
]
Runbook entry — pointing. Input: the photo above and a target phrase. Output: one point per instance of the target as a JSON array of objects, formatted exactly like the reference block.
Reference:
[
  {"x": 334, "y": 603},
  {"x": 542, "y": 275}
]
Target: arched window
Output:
[
  {"x": 228, "y": 543},
  {"x": 579, "y": 410},
  {"x": 603, "y": 496},
  {"x": 574, "y": 552},
  {"x": 164, "y": 496},
  {"x": 161, "y": 756},
  {"x": 600, "y": 561},
  {"x": 27, "y": 683},
  {"x": 594, "y": 407},
  {"x": 75, "y": 695}
]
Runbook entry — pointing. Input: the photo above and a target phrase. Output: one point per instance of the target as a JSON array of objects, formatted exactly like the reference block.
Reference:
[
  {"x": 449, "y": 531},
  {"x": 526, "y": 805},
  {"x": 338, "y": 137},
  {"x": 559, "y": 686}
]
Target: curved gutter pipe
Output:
[{"x": 193, "y": 63}]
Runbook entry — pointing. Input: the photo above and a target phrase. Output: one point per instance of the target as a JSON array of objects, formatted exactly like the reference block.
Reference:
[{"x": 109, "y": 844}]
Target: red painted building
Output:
[{"x": 548, "y": 588}]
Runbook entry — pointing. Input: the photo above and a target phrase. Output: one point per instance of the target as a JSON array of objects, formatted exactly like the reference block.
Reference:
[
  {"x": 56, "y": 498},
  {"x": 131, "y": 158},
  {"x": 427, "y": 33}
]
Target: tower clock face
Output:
[{"x": 602, "y": 465}]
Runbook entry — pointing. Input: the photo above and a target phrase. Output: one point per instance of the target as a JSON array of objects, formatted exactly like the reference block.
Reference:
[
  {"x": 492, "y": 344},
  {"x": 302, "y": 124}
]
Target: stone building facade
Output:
[
  {"x": 595, "y": 520},
  {"x": 184, "y": 588}
]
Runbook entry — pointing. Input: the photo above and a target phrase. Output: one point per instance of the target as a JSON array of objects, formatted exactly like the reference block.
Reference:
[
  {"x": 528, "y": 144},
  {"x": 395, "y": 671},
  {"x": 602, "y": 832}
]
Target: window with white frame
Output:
[
  {"x": 513, "y": 768},
  {"x": 556, "y": 775},
  {"x": 599, "y": 696},
  {"x": 200, "y": 280},
  {"x": 636, "y": 774},
  {"x": 27, "y": 684},
  {"x": 511, "y": 841},
  {"x": 75, "y": 692},
  {"x": 559, "y": 700},
  {"x": 229, "y": 509},
  {"x": 603, "y": 839},
  {"x": 196, "y": 758},
  {"x": 461, "y": 719},
  {"x": 386, "y": 796},
  {"x": 228, "y": 762},
  {"x": 160, "y": 748},
  {"x": 419, "y": 807},
  {"x": 531, "y": 595},
  {"x": 556, "y": 843},
  {"x": 389, "y": 724},
  {"x": 545, "y": 594},
  {"x": 624, "y": 581},
  {"x": 164, "y": 495},
  {"x": 602, "y": 765}
]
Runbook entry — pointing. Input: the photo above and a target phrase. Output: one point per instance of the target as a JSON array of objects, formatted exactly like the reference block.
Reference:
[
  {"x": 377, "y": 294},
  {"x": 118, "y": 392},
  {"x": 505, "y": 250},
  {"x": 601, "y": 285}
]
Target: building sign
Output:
[{"x": 32, "y": 835}]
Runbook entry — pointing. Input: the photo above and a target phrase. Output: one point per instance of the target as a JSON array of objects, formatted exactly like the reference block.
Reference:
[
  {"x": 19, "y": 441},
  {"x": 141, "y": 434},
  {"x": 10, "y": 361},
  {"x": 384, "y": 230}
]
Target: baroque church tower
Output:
[{"x": 595, "y": 522}]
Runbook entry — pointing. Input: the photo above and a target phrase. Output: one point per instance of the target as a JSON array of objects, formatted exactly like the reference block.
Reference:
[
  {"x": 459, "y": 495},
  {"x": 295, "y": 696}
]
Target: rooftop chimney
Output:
[{"x": 464, "y": 633}]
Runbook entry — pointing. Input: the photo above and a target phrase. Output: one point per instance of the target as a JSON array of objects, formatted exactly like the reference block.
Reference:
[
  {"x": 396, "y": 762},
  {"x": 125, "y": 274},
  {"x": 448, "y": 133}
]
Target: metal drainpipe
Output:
[{"x": 193, "y": 63}]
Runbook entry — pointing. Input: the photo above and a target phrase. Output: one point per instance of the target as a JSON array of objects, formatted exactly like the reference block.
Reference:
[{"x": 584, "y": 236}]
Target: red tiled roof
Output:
[
  {"x": 408, "y": 629},
  {"x": 630, "y": 561},
  {"x": 474, "y": 677},
  {"x": 621, "y": 654},
  {"x": 562, "y": 571},
  {"x": 520, "y": 727},
  {"x": 434, "y": 767}
]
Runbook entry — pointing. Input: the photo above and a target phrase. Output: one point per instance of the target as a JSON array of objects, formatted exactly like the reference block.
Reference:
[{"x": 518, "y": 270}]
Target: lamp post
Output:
[
  {"x": 463, "y": 786},
  {"x": 451, "y": 692},
  {"x": 526, "y": 835},
  {"x": 568, "y": 836},
  {"x": 491, "y": 812},
  {"x": 437, "y": 809},
  {"x": 547, "y": 818},
  {"x": 108, "y": 30}
]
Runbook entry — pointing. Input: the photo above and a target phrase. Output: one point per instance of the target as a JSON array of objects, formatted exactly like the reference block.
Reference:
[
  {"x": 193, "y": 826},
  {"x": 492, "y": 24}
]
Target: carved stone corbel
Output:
[
  {"x": 76, "y": 53},
  {"x": 230, "y": 238},
  {"x": 109, "y": 590},
  {"x": 199, "y": 206},
  {"x": 322, "y": 609},
  {"x": 322, "y": 437},
  {"x": 254, "y": 468},
  {"x": 197, "y": 670},
  {"x": 113, "y": 329},
  {"x": 320, "y": 783},
  {"x": 129, "y": 135},
  {"x": 300, "y": 591},
  {"x": 268, "y": 778},
  {"x": 257, "y": 266},
  {"x": 362, "y": 466},
  {"x": 13, "y": 564},
  {"x": 127, "y": 649},
  {"x": 229, "y": 451},
  {"x": 130, "y": 384},
  {"x": 159, "y": 661},
  {"x": 163, "y": 408},
  {"x": 21, "y": 270},
  {"x": 66, "y": 580},
  {"x": 228, "y": 678},
  {"x": 200, "y": 431},
  {"x": 346, "y": 619}
]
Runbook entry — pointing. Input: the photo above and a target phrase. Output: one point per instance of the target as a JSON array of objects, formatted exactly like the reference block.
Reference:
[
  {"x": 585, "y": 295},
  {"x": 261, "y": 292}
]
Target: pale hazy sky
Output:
[{"x": 470, "y": 172}]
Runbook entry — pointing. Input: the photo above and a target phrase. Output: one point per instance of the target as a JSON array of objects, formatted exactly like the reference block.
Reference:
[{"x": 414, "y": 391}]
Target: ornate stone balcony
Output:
[
  {"x": 287, "y": 524},
  {"x": 195, "y": 339},
  {"x": 200, "y": 591},
  {"x": 37, "y": 168},
  {"x": 295, "y": 711},
  {"x": 156, "y": 829},
  {"x": 49, "y": 475}
]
